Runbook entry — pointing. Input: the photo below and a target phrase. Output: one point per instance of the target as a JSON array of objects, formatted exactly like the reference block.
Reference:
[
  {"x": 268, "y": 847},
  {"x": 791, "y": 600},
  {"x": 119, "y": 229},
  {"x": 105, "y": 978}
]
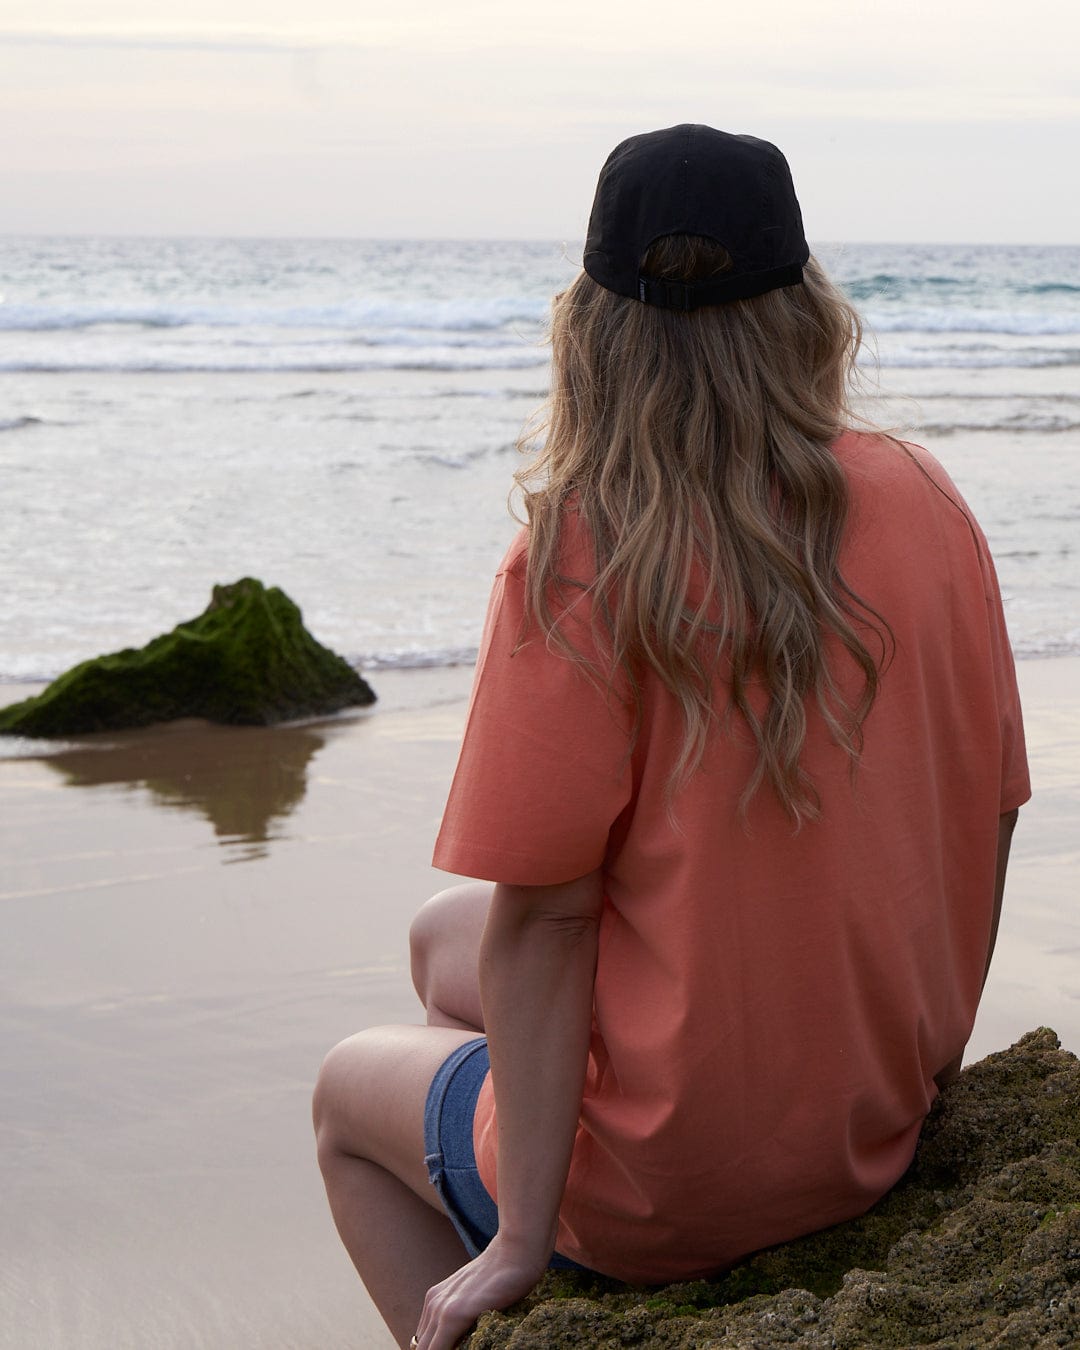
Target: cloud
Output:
[{"x": 239, "y": 41}]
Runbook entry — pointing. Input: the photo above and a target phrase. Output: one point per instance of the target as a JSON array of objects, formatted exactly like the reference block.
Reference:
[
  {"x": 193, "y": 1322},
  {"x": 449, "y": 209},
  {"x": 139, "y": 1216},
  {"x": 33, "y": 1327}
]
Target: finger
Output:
[
  {"x": 443, "y": 1331},
  {"x": 428, "y": 1329},
  {"x": 427, "y": 1320}
]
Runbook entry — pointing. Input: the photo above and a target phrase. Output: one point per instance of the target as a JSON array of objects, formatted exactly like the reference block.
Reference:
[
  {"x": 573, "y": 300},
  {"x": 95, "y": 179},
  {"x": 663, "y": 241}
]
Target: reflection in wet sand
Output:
[{"x": 241, "y": 779}]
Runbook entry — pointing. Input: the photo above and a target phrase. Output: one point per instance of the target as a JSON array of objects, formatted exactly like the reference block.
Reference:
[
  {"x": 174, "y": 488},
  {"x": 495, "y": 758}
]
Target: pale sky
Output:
[{"x": 952, "y": 121}]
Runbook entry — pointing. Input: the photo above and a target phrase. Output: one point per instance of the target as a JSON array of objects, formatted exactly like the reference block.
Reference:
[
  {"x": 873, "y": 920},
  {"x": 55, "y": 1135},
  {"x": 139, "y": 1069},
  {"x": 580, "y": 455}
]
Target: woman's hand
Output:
[
  {"x": 537, "y": 967},
  {"x": 496, "y": 1278}
]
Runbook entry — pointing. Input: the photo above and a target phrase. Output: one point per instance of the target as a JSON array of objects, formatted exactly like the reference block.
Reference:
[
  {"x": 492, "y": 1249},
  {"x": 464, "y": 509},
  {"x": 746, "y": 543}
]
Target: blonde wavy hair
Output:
[{"x": 696, "y": 445}]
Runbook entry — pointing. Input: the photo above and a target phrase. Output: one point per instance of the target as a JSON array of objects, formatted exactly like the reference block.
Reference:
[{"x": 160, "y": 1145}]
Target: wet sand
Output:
[{"x": 192, "y": 916}]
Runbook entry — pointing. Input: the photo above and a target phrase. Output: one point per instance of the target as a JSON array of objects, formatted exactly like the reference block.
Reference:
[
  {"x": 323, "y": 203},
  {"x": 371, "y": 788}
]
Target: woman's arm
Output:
[
  {"x": 537, "y": 965},
  {"x": 1006, "y": 824}
]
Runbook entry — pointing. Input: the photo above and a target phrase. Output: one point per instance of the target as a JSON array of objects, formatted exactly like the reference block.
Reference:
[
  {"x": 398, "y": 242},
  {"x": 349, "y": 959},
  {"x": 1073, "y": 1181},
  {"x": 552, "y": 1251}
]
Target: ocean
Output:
[{"x": 339, "y": 418}]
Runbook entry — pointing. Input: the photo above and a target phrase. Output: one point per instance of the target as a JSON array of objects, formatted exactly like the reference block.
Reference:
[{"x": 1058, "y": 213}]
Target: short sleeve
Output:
[{"x": 544, "y": 769}]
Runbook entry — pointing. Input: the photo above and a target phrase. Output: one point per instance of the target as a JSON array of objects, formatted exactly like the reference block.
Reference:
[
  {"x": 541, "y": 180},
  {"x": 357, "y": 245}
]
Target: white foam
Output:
[
  {"x": 456, "y": 315},
  {"x": 971, "y": 356},
  {"x": 956, "y": 319},
  {"x": 288, "y": 359}
]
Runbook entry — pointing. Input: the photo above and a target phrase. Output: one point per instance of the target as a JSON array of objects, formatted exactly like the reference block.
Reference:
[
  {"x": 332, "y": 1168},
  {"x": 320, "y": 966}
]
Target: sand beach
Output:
[{"x": 193, "y": 915}]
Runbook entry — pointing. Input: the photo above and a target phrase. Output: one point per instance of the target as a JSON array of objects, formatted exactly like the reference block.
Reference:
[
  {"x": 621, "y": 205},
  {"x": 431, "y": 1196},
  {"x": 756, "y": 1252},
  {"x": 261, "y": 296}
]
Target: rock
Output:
[
  {"x": 977, "y": 1245},
  {"x": 247, "y": 660}
]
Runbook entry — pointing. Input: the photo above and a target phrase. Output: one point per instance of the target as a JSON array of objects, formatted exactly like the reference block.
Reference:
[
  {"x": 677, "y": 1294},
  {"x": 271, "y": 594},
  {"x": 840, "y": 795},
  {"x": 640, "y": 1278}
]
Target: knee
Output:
[
  {"x": 337, "y": 1089},
  {"x": 427, "y": 933},
  {"x": 322, "y": 1099}
]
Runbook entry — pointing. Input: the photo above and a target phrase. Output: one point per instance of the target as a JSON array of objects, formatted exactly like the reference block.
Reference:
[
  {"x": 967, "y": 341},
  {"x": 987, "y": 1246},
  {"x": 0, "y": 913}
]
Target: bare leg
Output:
[
  {"x": 369, "y": 1113},
  {"x": 444, "y": 942}
]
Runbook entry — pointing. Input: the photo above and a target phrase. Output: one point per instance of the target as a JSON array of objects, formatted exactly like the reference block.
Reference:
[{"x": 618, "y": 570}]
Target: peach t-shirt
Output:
[{"x": 771, "y": 1006}]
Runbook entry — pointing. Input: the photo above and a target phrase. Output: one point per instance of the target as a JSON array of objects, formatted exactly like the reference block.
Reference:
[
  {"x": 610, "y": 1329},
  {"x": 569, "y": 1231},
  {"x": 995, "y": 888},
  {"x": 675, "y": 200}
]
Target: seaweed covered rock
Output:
[
  {"x": 977, "y": 1245},
  {"x": 247, "y": 660}
]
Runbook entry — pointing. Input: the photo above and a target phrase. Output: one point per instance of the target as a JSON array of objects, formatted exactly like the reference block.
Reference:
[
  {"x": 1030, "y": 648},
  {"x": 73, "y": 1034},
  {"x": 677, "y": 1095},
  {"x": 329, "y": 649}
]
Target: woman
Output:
[{"x": 742, "y": 761}]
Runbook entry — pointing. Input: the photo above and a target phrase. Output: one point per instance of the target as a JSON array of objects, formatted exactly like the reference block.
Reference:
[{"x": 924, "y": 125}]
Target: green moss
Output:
[
  {"x": 978, "y": 1244},
  {"x": 1061, "y": 1212},
  {"x": 247, "y": 660}
]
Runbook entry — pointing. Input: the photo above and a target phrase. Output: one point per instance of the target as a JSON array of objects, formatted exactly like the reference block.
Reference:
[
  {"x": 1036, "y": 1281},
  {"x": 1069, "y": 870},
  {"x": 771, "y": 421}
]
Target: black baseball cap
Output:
[{"x": 691, "y": 179}]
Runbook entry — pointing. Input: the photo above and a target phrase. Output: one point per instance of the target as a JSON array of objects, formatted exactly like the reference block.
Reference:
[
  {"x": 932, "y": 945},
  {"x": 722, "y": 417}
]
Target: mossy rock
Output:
[
  {"x": 247, "y": 660},
  {"x": 977, "y": 1245}
]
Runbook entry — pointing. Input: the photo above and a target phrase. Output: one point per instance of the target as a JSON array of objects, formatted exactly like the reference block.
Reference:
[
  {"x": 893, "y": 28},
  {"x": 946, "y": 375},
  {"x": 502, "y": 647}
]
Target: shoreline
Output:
[
  {"x": 411, "y": 688},
  {"x": 195, "y": 914}
]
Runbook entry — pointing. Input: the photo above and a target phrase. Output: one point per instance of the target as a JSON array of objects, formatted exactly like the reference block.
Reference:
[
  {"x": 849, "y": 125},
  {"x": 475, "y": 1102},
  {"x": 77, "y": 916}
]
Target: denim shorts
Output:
[{"x": 448, "y": 1149}]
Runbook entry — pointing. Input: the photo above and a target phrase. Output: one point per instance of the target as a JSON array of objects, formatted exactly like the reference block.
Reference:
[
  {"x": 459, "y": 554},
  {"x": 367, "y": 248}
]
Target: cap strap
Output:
[{"x": 687, "y": 295}]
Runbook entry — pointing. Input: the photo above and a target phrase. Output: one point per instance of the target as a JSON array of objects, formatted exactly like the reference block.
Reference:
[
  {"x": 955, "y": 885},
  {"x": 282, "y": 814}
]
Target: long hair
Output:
[{"x": 695, "y": 446}]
